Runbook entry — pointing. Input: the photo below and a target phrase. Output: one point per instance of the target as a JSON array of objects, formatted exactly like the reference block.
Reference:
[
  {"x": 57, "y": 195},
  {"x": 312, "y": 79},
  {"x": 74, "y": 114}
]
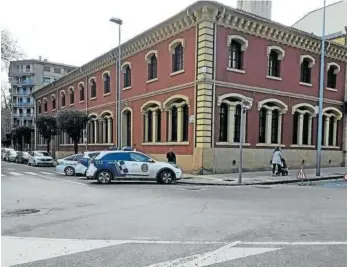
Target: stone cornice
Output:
[{"x": 197, "y": 12}]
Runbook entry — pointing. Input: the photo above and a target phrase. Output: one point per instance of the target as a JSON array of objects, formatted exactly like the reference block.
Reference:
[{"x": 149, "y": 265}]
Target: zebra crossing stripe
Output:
[
  {"x": 49, "y": 173},
  {"x": 31, "y": 173},
  {"x": 15, "y": 173}
]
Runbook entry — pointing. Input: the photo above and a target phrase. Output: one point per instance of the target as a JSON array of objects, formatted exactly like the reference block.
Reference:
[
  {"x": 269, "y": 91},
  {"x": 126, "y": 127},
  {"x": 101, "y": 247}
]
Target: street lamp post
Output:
[
  {"x": 245, "y": 105},
  {"x": 321, "y": 90},
  {"x": 118, "y": 99}
]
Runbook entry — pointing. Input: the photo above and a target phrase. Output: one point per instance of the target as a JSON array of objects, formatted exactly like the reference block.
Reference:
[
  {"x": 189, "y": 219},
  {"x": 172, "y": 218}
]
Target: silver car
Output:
[{"x": 40, "y": 158}]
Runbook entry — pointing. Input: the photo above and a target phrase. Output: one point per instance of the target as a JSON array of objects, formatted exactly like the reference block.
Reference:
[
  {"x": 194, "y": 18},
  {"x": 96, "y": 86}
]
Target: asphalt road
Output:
[{"x": 81, "y": 223}]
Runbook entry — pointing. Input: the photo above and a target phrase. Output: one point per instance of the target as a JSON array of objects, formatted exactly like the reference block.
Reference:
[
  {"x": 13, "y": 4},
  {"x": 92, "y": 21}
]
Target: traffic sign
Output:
[{"x": 301, "y": 175}]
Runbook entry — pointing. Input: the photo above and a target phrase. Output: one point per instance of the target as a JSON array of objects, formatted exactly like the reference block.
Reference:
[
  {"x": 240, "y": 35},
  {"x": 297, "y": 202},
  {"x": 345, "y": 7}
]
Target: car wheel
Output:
[
  {"x": 166, "y": 177},
  {"x": 104, "y": 177},
  {"x": 69, "y": 171}
]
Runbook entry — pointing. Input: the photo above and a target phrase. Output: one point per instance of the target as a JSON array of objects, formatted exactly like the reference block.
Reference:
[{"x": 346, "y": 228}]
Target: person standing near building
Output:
[
  {"x": 171, "y": 156},
  {"x": 276, "y": 161}
]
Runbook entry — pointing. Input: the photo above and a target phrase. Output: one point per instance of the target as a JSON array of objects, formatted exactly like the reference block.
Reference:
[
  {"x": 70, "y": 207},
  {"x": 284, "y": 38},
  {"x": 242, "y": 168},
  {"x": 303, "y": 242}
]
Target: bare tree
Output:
[{"x": 10, "y": 50}]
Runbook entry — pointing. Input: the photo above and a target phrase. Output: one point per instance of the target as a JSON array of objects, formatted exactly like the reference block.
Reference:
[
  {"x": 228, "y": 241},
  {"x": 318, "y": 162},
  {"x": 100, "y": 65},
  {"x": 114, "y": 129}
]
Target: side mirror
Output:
[{"x": 151, "y": 161}]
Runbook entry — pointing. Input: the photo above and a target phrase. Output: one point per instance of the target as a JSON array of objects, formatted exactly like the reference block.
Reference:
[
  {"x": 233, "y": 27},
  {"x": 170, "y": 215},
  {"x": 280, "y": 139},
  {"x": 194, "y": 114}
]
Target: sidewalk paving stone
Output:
[{"x": 262, "y": 178}]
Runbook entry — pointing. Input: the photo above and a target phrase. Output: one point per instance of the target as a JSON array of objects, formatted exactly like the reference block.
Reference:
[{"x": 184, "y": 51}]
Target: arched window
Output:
[
  {"x": 62, "y": 93},
  {"x": 92, "y": 84},
  {"x": 331, "y": 118},
  {"x": 45, "y": 107},
  {"x": 305, "y": 71},
  {"x": 107, "y": 85},
  {"x": 177, "y": 58},
  {"x": 53, "y": 102},
  {"x": 152, "y": 67},
  {"x": 126, "y": 68},
  {"x": 223, "y": 123},
  {"x": 105, "y": 127},
  {"x": 303, "y": 115},
  {"x": 39, "y": 107},
  {"x": 72, "y": 95},
  {"x": 273, "y": 64},
  {"x": 230, "y": 118},
  {"x": 127, "y": 130},
  {"x": 177, "y": 108},
  {"x": 333, "y": 70},
  {"x": 270, "y": 120},
  {"x": 81, "y": 89},
  {"x": 152, "y": 121},
  {"x": 307, "y": 62},
  {"x": 235, "y": 55}
]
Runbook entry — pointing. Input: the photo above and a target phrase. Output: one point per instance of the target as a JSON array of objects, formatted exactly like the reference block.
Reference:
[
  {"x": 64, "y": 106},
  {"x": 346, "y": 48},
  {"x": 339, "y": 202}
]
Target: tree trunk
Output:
[
  {"x": 48, "y": 144},
  {"x": 75, "y": 146}
]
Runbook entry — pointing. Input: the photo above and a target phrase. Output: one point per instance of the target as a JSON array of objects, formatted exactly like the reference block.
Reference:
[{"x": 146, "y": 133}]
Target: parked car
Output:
[
  {"x": 11, "y": 155},
  {"x": 87, "y": 156},
  {"x": 22, "y": 157},
  {"x": 128, "y": 165},
  {"x": 71, "y": 165},
  {"x": 4, "y": 152},
  {"x": 38, "y": 158}
]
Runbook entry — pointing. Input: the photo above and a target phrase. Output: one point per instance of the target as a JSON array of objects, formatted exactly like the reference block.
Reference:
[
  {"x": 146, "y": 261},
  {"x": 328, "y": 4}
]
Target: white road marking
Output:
[
  {"x": 14, "y": 173},
  {"x": 2, "y": 175},
  {"x": 223, "y": 254},
  {"x": 31, "y": 173},
  {"x": 61, "y": 180},
  {"x": 49, "y": 173},
  {"x": 20, "y": 250},
  {"x": 323, "y": 243}
]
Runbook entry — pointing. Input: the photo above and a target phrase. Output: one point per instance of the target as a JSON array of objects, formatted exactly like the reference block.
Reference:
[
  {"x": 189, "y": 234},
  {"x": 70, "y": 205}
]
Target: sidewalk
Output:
[{"x": 261, "y": 178}]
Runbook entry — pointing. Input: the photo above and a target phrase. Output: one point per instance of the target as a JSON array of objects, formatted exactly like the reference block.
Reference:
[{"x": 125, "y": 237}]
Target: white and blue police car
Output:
[{"x": 128, "y": 165}]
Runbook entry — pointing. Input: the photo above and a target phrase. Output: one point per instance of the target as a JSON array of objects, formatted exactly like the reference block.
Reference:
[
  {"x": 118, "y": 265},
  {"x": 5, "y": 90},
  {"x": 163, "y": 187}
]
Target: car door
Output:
[
  {"x": 142, "y": 166},
  {"x": 69, "y": 160}
]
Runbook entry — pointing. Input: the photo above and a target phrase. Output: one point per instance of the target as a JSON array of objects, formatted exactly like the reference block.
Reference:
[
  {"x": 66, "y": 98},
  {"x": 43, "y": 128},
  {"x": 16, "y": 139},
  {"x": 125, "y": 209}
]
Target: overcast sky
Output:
[{"x": 76, "y": 31}]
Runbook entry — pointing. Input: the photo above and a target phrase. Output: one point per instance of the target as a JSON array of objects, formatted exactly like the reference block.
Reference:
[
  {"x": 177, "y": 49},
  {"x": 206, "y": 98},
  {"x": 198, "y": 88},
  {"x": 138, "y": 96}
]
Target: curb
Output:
[{"x": 262, "y": 183}]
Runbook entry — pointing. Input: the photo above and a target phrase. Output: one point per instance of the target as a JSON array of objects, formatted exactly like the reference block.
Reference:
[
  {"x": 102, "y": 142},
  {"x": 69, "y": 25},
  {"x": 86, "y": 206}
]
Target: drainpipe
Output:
[
  {"x": 214, "y": 88},
  {"x": 86, "y": 102}
]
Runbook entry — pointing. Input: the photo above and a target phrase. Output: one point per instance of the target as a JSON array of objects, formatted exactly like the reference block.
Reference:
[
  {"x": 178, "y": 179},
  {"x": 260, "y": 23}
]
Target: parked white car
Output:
[
  {"x": 71, "y": 165},
  {"x": 11, "y": 155},
  {"x": 40, "y": 158}
]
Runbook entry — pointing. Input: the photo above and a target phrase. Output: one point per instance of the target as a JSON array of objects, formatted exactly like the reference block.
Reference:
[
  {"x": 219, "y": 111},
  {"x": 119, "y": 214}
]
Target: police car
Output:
[{"x": 127, "y": 165}]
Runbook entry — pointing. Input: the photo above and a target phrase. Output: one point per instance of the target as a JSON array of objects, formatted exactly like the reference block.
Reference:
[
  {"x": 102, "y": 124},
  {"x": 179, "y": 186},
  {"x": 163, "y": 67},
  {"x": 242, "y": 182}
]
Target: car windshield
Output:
[
  {"x": 42, "y": 154},
  {"x": 139, "y": 157},
  {"x": 13, "y": 152},
  {"x": 25, "y": 154}
]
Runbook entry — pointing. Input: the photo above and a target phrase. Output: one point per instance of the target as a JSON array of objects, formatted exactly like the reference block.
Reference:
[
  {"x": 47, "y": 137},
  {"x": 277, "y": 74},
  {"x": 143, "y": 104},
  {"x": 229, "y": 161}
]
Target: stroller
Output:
[{"x": 284, "y": 168}]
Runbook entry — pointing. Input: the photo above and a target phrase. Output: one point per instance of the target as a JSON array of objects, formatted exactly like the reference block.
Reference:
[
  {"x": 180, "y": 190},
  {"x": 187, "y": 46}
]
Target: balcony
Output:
[
  {"x": 15, "y": 72},
  {"x": 22, "y": 104},
  {"x": 26, "y": 82},
  {"x": 21, "y": 93},
  {"x": 23, "y": 116}
]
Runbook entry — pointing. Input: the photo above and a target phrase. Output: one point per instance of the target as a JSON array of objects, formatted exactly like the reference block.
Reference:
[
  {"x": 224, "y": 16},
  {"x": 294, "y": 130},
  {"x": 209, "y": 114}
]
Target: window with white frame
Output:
[
  {"x": 151, "y": 59},
  {"x": 107, "y": 82},
  {"x": 333, "y": 69},
  {"x": 237, "y": 45},
  {"x": 270, "y": 120},
  {"x": 275, "y": 56},
  {"x": 151, "y": 111},
  {"x": 92, "y": 84},
  {"x": 62, "y": 97},
  {"x": 81, "y": 89},
  {"x": 331, "y": 118},
  {"x": 230, "y": 118},
  {"x": 39, "y": 107},
  {"x": 177, "y": 119},
  {"x": 307, "y": 62},
  {"x": 53, "y": 102},
  {"x": 176, "y": 49},
  {"x": 105, "y": 127},
  {"x": 303, "y": 115},
  {"x": 126, "y": 69},
  {"x": 72, "y": 95},
  {"x": 45, "y": 107}
]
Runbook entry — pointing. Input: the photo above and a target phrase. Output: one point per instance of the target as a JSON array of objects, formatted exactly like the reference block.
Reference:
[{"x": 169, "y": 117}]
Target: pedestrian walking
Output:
[
  {"x": 171, "y": 156},
  {"x": 276, "y": 161}
]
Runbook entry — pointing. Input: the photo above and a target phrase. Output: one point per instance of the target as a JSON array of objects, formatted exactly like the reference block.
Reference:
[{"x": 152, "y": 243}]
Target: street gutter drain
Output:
[
  {"x": 229, "y": 180},
  {"x": 193, "y": 189},
  {"x": 19, "y": 212},
  {"x": 263, "y": 187}
]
